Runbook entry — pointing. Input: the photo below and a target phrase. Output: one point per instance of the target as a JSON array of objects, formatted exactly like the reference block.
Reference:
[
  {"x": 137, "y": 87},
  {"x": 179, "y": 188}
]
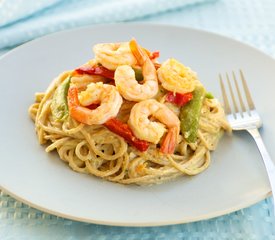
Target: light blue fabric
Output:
[
  {"x": 72, "y": 13},
  {"x": 13, "y": 10},
  {"x": 250, "y": 21}
]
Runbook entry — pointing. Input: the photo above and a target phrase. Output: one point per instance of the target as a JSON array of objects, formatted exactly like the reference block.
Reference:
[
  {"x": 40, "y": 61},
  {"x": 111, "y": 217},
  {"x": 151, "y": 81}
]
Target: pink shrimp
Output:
[
  {"x": 153, "y": 131},
  {"x": 126, "y": 82},
  {"x": 104, "y": 95}
]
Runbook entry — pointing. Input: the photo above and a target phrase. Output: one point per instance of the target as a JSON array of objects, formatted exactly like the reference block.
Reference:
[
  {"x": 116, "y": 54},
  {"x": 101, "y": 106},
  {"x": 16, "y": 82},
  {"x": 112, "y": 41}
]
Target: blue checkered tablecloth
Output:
[{"x": 250, "y": 21}]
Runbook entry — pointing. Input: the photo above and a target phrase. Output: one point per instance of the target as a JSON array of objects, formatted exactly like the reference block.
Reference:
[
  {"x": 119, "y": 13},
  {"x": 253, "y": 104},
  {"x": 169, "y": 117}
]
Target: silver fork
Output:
[{"x": 245, "y": 117}]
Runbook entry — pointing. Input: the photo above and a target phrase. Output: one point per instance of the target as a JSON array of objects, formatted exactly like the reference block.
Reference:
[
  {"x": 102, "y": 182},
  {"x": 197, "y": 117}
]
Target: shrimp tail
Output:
[
  {"x": 138, "y": 52},
  {"x": 73, "y": 104},
  {"x": 73, "y": 97},
  {"x": 170, "y": 140}
]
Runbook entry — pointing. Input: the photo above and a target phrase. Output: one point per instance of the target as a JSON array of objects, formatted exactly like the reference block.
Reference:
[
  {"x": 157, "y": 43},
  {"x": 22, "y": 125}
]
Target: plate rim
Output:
[
  {"x": 215, "y": 34},
  {"x": 139, "y": 224}
]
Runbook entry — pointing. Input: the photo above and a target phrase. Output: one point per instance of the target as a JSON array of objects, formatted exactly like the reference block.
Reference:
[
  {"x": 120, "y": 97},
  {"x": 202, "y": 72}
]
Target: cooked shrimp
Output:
[
  {"x": 175, "y": 77},
  {"x": 152, "y": 131},
  {"x": 104, "y": 95},
  {"x": 83, "y": 80},
  {"x": 112, "y": 55},
  {"x": 126, "y": 82}
]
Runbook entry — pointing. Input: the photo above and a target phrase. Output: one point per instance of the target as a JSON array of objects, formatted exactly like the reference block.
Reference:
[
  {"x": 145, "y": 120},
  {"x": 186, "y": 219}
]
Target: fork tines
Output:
[{"x": 240, "y": 106}]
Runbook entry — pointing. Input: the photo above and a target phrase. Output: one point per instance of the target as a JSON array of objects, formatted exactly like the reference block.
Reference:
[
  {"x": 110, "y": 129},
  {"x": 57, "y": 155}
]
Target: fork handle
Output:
[{"x": 269, "y": 164}]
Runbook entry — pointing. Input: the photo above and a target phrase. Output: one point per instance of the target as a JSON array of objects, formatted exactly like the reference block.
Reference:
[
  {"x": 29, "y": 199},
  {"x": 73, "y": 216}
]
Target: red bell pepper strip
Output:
[
  {"x": 154, "y": 55},
  {"x": 151, "y": 55},
  {"x": 96, "y": 70},
  {"x": 123, "y": 130},
  {"x": 178, "y": 98}
]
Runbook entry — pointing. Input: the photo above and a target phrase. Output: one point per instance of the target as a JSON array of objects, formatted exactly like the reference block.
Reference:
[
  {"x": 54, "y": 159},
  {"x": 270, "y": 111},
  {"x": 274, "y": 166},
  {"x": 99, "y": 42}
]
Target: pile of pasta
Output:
[{"x": 127, "y": 118}]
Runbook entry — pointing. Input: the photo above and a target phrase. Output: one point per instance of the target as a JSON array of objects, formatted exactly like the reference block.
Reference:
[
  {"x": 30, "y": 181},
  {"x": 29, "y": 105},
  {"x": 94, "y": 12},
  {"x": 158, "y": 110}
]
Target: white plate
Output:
[{"x": 235, "y": 179}]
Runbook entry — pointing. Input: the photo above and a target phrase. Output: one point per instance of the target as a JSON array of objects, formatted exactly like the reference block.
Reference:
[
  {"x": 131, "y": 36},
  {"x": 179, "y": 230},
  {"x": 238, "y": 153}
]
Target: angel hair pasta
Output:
[{"x": 127, "y": 118}]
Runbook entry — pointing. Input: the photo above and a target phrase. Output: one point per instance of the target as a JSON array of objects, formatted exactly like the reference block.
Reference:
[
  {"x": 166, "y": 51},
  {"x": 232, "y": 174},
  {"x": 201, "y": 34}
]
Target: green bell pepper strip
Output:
[
  {"x": 190, "y": 115},
  {"x": 59, "y": 105},
  {"x": 209, "y": 95},
  {"x": 138, "y": 74}
]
